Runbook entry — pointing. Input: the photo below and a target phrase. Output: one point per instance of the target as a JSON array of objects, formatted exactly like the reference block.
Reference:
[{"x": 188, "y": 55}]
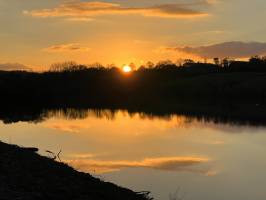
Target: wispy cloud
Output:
[
  {"x": 227, "y": 49},
  {"x": 80, "y": 19},
  {"x": 188, "y": 164},
  {"x": 72, "y": 47},
  {"x": 67, "y": 126},
  {"x": 79, "y": 9}
]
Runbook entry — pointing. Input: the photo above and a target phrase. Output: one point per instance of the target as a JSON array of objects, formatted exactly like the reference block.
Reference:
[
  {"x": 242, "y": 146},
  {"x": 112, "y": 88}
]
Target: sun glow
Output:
[{"x": 127, "y": 69}]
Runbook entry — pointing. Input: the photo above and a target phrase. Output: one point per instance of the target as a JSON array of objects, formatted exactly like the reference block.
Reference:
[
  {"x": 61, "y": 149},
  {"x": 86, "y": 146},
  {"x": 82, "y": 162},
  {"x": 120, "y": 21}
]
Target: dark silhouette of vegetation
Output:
[
  {"x": 26, "y": 175},
  {"x": 69, "y": 84}
]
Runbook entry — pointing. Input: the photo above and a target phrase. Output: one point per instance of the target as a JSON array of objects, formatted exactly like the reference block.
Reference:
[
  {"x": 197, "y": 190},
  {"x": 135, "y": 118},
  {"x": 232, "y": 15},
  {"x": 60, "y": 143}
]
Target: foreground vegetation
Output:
[{"x": 27, "y": 176}]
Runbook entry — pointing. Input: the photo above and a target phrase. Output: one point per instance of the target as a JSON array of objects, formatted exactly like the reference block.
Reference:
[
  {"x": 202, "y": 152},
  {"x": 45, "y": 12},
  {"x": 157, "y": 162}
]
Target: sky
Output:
[{"x": 36, "y": 33}]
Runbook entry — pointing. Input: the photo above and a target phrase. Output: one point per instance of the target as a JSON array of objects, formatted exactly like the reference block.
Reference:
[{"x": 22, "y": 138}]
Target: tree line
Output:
[
  {"x": 71, "y": 84},
  {"x": 255, "y": 63}
]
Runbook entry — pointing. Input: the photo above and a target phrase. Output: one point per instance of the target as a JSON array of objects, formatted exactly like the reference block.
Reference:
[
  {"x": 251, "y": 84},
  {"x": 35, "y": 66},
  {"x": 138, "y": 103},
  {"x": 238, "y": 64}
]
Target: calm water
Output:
[{"x": 204, "y": 160}]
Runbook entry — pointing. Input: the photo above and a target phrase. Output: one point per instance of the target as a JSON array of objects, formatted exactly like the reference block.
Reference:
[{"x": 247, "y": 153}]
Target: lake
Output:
[{"x": 194, "y": 158}]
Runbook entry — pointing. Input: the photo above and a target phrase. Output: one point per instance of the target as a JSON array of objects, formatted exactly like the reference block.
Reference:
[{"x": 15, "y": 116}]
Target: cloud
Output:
[
  {"x": 80, "y": 19},
  {"x": 79, "y": 9},
  {"x": 167, "y": 164},
  {"x": 70, "y": 126},
  {"x": 82, "y": 156},
  {"x": 72, "y": 47},
  {"x": 227, "y": 49},
  {"x": 65, "y": 128},
  {"x": 14, "y": 67}
]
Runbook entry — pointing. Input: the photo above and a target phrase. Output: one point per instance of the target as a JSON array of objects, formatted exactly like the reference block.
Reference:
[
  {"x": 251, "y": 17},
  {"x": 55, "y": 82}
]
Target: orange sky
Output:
[{"x": 39, "y": 33}]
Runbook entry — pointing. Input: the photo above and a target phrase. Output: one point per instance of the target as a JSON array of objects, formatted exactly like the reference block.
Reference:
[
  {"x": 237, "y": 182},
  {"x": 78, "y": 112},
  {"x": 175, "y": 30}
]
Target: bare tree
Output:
[
  {"x": 64, "y": 66},
  {"x": 216, "y": 61}
]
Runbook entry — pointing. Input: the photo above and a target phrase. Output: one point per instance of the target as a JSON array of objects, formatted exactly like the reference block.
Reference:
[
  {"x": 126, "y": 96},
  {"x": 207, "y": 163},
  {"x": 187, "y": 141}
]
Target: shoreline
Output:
[{"x": 28, "y": 175}]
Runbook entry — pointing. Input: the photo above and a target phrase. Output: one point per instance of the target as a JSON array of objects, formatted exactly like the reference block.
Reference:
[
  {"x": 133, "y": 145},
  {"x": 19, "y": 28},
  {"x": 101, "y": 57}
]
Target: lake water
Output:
[{"x": 201, "y": 159}]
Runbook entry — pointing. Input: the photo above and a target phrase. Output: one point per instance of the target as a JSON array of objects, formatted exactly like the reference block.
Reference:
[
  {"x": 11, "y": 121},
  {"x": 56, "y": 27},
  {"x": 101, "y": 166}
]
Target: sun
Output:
[{"x": 127, "y": 69}]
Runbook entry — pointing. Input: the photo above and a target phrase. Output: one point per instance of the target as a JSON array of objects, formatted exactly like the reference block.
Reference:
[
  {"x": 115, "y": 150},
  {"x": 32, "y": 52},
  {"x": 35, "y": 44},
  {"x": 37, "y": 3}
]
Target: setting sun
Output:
[{"x": 127, "y": 69}]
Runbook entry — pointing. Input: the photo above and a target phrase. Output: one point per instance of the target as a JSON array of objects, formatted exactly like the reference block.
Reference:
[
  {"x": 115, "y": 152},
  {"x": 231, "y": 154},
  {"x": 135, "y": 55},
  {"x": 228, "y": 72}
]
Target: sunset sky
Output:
[{"x": 37, "y": 33}]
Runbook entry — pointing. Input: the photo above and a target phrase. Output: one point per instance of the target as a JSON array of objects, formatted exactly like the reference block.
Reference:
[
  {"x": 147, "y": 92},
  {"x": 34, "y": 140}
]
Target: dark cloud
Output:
[
  {"x": 227, "y": 49},
  {"x": 72, "y": 47}
]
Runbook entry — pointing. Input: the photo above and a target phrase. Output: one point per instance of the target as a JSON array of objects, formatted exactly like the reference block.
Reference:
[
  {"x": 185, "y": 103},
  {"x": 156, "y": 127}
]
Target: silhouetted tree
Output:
[
  {"x": 165, "y": 65},
  {"x": 97, "y": 65},
  {"x": 188, "y": 62},
  {"x": 142, "y": 68},
  {"x": 150, "y": 65},
  {"x": 216, "y": 61},
  {"x": 64, "y": 66},
  {"x": 256, "y": 60},
  {"x": 225, "y": 62}
]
